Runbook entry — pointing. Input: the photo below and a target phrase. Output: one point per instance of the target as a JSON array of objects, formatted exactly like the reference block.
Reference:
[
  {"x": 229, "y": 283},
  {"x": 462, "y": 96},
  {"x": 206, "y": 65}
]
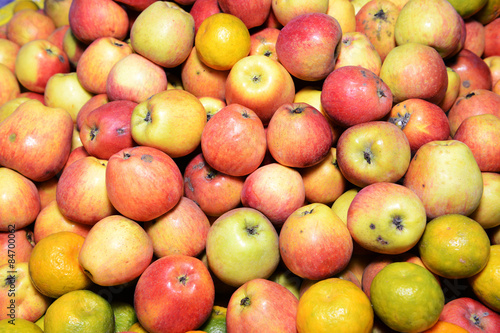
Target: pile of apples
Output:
[{"x": 197, "y": 187}]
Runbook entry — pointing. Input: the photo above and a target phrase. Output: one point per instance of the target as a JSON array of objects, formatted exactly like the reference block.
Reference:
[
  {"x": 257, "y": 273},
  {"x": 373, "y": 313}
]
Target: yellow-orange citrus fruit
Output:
[
  {"x": 334, "y": 305},
  {"x": 222, "y": 39}
]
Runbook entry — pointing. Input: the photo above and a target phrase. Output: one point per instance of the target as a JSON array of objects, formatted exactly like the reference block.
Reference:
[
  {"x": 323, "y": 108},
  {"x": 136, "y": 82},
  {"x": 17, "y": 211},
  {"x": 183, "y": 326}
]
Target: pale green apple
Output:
[
  {"x": 386, "y": 218},
  {"x": 341, "y": 205},
  {"x": 163, "y": 33},
  {"x": 242, "y": 245},
  {"x": 446, "y": 177},
  {"x": 487, "y": 214},
  {"x": 431, "y": 22},
  {"x": 64, "y": 90},
  {"x": 171, "y": 121}
]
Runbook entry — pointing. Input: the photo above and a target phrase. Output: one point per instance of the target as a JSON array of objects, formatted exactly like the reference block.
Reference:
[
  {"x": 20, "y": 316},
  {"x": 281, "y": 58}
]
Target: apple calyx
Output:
[
  {"x": 93, "y": 133},
  {"x": 245, "y": 301},
  {"x": 10, "y": 279},
  {"x": 211, "y": 174},
  {"x": 256, "y": 78},
  {"x": 381, "y": 15},
  {"x": 252, "y": 230},
  {"x": 118, "y": 44},
  {"x": 368, "y": 156},
  {"x": 401, "y": 120},
  {"x": 126, "y": 156},
  {"x": 148, "y": 117},
  {"x": 183, "y": 279},
  {"x": 398, "y": 222},
  {"x": 297, "y": 110},
  {"x": 12, "y": 137},
  {"x": 30, "y": 237},
  {"x": 346, "y": 41},
  {"x": 307, "y": 212},
  {"x": 469, "y": 95}
]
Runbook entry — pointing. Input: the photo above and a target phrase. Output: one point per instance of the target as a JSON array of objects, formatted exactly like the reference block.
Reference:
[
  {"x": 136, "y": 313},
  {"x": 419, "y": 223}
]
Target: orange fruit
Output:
[
  {"x": 445, "y": 327},
  {"x": 222, "y": 39},
  {"x": 54, "y": 267},
  {"x": 334, "y": 305},
  {"x": 486, "y": 284},
  {"x": 454, "y": 246},
  {"x": 406, "y": 297}
]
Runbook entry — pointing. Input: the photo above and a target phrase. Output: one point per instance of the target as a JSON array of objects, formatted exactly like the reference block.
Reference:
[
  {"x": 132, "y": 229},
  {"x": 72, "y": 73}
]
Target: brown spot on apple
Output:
[
  {"x": 382, "y": 241},
  {"x": 372, "y": 226},
  {"x": 147, "y": 158},
  {"x": 466, "y": 84}
]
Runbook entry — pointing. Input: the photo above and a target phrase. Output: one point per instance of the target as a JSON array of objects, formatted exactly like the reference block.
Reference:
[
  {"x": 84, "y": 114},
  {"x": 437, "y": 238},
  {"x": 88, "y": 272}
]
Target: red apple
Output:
[
  {"x": 201, "y": 80},
  {"x": 234, "y": 141},
  {"x": 106, "y": 129},
  {"x": 138, "y": 5},
  {"x": 481, "y": 134},
  {"x": 97, "y": 60},
  {"x": 37, "y": 61},
  {"x": 8, "y": 53},
  {"x": 415, "y": 70},
  {"x": 36, "y": 140},
  {"x": 260, "y": 84},
  {"x": 202, "y": 9},
  {"x": 262, "y": 304},
  {"x": 57, "y": 36},
  {"x": 474, "y": 72},
  {"x": 135, "y": 78},
  {"x": 91, "y": 19},
  {"x": 314, "y": 242},
  {"x": 421, "y": 122},
  {"x": 491, "y": 38},
  {"x": 154, "y": 182},
  {"x": 475, "y": 38},
  {"x": 275, "y": 190},
  {"x": 20, "y": 202},
  {"x": 47, "y": 190},
  {"x": 471, "y": 315},
  {"x": 213, "y": 191},
  {"x": 16, "y": 244},
  {"x": 81, "y": 193},
  {"x": 174, "y": 294},
  {"x": 377, "y": 19},
  {"x": 264, "y": 42},
  {"x": 93, "y": 103},
  {"x": 9, "y": 85},
  {"x": 50, "y": 220},
  {"x": 352, "y": 95},
  {"x": 28, "y": 25},
  {"x": 476, "y": 102},
  {"x": 308, "y": 46},
  {"x": 298, "y": 135},
  {"x": 252, "y": 13},
  {"x": 182, "y": 230},
  {"x": 75, "y": 155}
]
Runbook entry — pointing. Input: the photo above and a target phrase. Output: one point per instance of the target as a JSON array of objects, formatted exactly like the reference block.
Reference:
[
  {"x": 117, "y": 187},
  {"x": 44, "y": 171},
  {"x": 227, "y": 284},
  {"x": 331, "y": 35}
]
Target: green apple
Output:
[
  {"x": 242, "y": 245},
  {"x": 386, "y": 218}
]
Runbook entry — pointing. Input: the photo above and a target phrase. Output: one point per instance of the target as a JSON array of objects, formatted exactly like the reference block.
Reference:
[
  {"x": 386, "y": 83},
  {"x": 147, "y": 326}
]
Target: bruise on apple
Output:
[{"x": 147, "y": 158}]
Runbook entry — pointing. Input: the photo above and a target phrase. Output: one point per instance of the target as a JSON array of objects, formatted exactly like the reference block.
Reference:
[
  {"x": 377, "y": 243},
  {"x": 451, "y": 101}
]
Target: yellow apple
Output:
[
  {"x": 64, "y": 90},
  {"x": 343, "y": 11}
]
